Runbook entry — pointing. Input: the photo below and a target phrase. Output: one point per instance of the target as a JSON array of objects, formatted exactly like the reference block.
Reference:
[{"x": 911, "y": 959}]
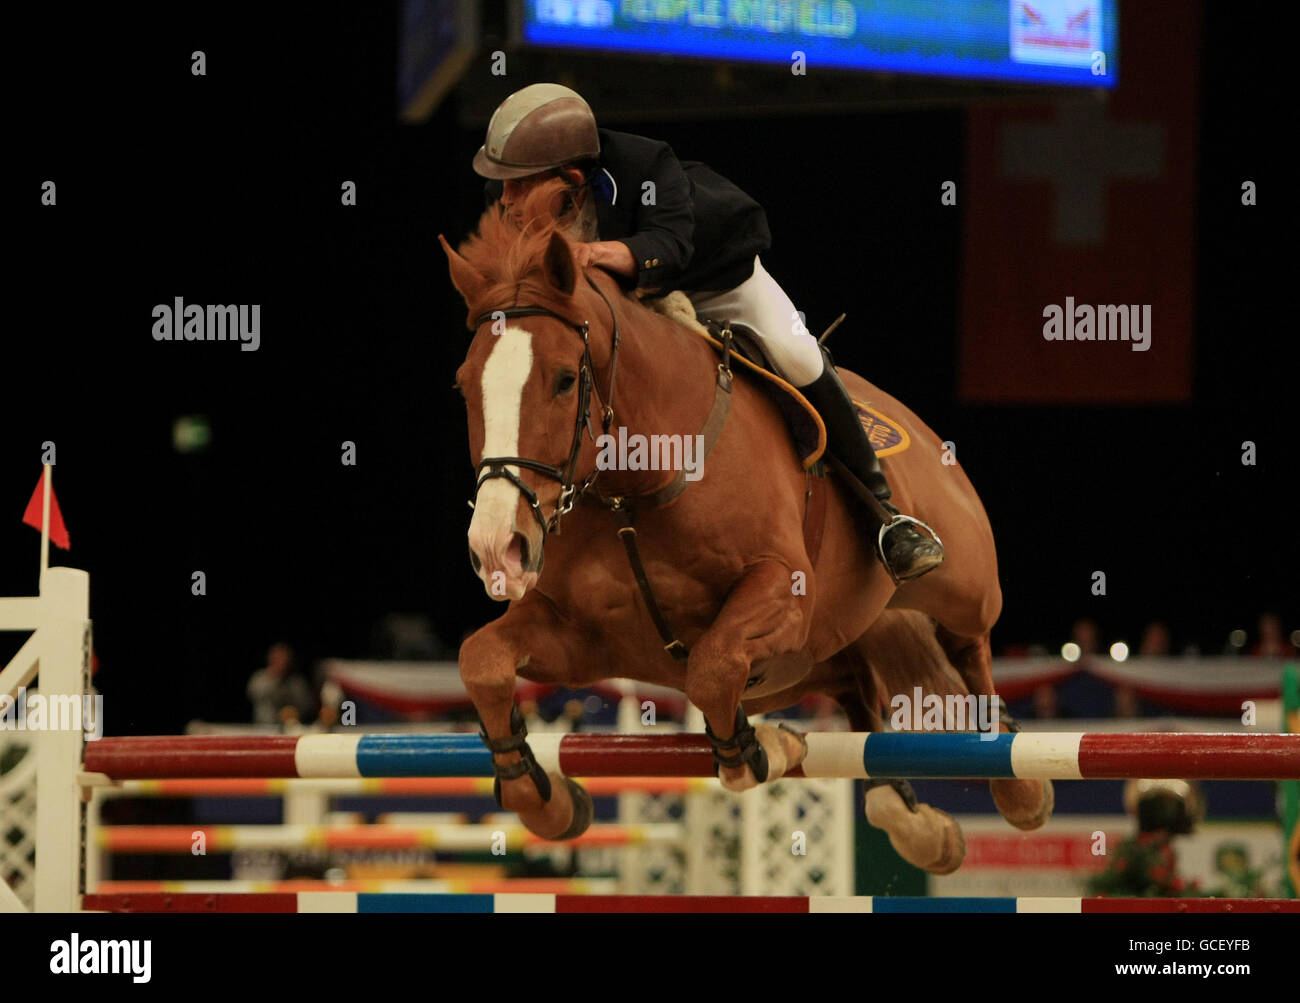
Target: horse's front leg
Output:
[
  {"x": 761, "y": 620},
  {"x": 529, "y": 634}
]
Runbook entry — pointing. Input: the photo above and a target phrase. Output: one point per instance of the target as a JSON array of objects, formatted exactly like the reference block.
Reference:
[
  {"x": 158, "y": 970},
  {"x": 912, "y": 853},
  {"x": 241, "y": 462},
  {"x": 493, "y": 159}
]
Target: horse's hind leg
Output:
[
  {"x": 923, "y": 836},
  {"x": 1026, "y": 804}
]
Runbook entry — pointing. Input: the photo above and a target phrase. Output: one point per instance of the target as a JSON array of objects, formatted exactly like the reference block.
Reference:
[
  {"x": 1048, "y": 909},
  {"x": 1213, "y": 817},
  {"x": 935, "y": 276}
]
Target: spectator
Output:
[
  {"x": 1146, "y": 864},
  {"x": 1155, "y": 641},
  {"x": 331, "y": 704},
  {"x": 1126, "y": 702},
  {"x": 1272, "y": 642},
  {"x": 277, "y": 693},
  {"x": 1046, "y": 706},
  {"x": 408, "y": 637},
  {"x": 1084, "y": 634}
]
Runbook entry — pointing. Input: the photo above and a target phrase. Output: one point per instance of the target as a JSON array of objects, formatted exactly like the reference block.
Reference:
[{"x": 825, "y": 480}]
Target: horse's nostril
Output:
[
  {"x": 523, "y": 549},
  {"x": 474, "y": 562}
]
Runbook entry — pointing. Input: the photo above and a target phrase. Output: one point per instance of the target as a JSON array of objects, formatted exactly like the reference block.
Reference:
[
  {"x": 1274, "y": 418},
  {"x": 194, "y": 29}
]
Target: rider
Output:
[{"x": 670, "y": 224}]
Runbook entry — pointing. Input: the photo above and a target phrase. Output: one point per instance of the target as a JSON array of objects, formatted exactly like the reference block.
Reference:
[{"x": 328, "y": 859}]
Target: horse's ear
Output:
[
  {"x": 467, "y": 279},
  {"x": 558, "y": 266}
]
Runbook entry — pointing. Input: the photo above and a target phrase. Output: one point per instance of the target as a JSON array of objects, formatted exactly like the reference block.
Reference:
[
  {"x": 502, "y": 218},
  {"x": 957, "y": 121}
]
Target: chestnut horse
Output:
[{"x": 553, "y": 345}]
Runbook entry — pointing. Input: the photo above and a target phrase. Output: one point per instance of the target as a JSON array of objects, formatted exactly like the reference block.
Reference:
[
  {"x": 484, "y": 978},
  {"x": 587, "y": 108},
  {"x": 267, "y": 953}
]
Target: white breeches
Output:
[{"x": 762, "y": 305}]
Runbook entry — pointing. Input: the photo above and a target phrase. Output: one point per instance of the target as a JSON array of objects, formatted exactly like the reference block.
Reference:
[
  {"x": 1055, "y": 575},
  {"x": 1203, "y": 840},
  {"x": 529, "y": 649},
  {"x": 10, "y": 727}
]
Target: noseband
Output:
[{"x": 495, "y": 466}]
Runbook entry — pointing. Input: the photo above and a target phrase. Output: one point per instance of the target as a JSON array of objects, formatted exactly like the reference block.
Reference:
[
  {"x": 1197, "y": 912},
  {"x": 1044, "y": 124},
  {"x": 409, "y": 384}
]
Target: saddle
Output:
[{"x": 805, "y": 424}]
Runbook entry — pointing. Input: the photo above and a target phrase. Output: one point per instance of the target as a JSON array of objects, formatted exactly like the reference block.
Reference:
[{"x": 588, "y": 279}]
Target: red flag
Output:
[
  {"x": 35, "y": 508},
  {"x": 1078, "y": 210}
]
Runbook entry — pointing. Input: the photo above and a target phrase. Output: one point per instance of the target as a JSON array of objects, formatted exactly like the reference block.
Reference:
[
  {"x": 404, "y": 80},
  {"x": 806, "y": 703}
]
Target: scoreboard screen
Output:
[{"x": 1045, "y": 42}]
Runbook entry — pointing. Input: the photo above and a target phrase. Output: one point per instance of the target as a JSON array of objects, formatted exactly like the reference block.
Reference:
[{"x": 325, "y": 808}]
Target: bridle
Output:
[
  {"x": 623, "y": 508},
  {"x": 569, "y": 491}
]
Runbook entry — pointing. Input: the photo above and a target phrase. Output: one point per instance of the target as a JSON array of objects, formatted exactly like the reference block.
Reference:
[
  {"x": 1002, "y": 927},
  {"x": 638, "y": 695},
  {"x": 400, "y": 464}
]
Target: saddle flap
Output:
[{"x": 801, "y": 418}]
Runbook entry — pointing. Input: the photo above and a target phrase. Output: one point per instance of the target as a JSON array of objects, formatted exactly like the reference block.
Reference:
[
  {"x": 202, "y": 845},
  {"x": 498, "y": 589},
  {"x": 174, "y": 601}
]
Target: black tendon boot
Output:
[{"x": 907, "y": 547}]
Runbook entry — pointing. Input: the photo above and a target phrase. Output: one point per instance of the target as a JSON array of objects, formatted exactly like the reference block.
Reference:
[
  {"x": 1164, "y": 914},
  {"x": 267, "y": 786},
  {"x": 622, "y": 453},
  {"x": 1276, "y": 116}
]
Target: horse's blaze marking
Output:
[
  {"x": 886, "y": 436},
  {"x": 504, "y": 375}
]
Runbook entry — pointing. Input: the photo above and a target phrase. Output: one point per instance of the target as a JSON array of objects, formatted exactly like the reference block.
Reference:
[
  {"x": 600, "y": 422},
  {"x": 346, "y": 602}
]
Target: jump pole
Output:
[
  {"x": 348, "y": 902},
  {"x": 390, "y": 787},
  {"x": 375, "y": 886},
  {"x": 447, "y": 838},
  {"x": 1026, "y": 755}
]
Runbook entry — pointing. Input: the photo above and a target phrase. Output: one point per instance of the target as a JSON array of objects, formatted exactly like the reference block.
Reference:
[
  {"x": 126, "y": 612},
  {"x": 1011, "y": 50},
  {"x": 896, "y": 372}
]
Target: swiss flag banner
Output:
[
  {"x": 1078, "y": 245},
  {"x": 36, "y": 509}
]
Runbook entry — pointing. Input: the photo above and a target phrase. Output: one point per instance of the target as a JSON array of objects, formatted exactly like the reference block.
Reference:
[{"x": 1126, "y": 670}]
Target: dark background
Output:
[{"x": 225, "y": 189}]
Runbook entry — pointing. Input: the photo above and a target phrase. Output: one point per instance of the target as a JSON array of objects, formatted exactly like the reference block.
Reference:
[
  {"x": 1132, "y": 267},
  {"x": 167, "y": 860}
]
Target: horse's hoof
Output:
[
  {"x": 555, "y": 819},
  {"x": 954, "y": 847},
  {"x": 583, "y": 810},
  {"x": 785, "y": 749},
  {"x": 926, "y": 838},
  {"x": 737, "y": 778},
  {"x": 784, "y": 746},
  {"x": 1026, "y": 804}
]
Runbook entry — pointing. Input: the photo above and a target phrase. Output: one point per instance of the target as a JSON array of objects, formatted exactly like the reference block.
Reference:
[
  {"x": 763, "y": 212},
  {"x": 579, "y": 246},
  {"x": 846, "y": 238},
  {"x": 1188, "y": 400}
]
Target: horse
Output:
[{"x": 600, "y": 566}]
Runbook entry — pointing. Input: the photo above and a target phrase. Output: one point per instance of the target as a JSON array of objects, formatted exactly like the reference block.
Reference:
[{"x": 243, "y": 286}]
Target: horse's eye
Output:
[{"x": 564, "y": 383}]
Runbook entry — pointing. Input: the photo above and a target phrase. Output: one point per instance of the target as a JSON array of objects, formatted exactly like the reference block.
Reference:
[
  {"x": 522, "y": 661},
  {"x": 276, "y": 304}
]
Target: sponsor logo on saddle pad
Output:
[{"x": 885, "y": 435}]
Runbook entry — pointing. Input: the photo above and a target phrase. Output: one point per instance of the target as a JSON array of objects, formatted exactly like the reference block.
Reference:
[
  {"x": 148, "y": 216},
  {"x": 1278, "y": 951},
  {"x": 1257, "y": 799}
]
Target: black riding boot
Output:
[{"x": 906, "y": 549}]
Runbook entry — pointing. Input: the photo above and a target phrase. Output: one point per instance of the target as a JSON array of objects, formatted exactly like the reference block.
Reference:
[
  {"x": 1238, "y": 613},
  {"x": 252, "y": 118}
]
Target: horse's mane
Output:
[{"x": 511, "y": 258}]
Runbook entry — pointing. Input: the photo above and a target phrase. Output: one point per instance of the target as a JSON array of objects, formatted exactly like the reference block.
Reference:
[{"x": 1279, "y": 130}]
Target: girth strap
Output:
[{"x": 627, "y": 533}]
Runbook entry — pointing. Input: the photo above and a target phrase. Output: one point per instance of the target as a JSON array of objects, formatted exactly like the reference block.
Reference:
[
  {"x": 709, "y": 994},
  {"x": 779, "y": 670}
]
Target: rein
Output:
[{"x": 622, "y": 506}]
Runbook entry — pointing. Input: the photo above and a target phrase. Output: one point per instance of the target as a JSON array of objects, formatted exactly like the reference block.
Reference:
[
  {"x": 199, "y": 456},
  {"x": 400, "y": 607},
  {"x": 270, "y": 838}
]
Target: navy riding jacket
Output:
[{"x": 700, "y": 233}]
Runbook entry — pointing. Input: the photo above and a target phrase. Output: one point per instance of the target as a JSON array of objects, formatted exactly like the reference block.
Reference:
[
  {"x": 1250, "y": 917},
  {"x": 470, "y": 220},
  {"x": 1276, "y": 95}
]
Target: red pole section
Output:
[
  {"x": 636, "y": 756},
  {"x": 1104, "y": 905},
  {"x": 193, "y": 756},
  {"x": 1205, "y": 756},
  {"x": 163, "y": 902}
]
